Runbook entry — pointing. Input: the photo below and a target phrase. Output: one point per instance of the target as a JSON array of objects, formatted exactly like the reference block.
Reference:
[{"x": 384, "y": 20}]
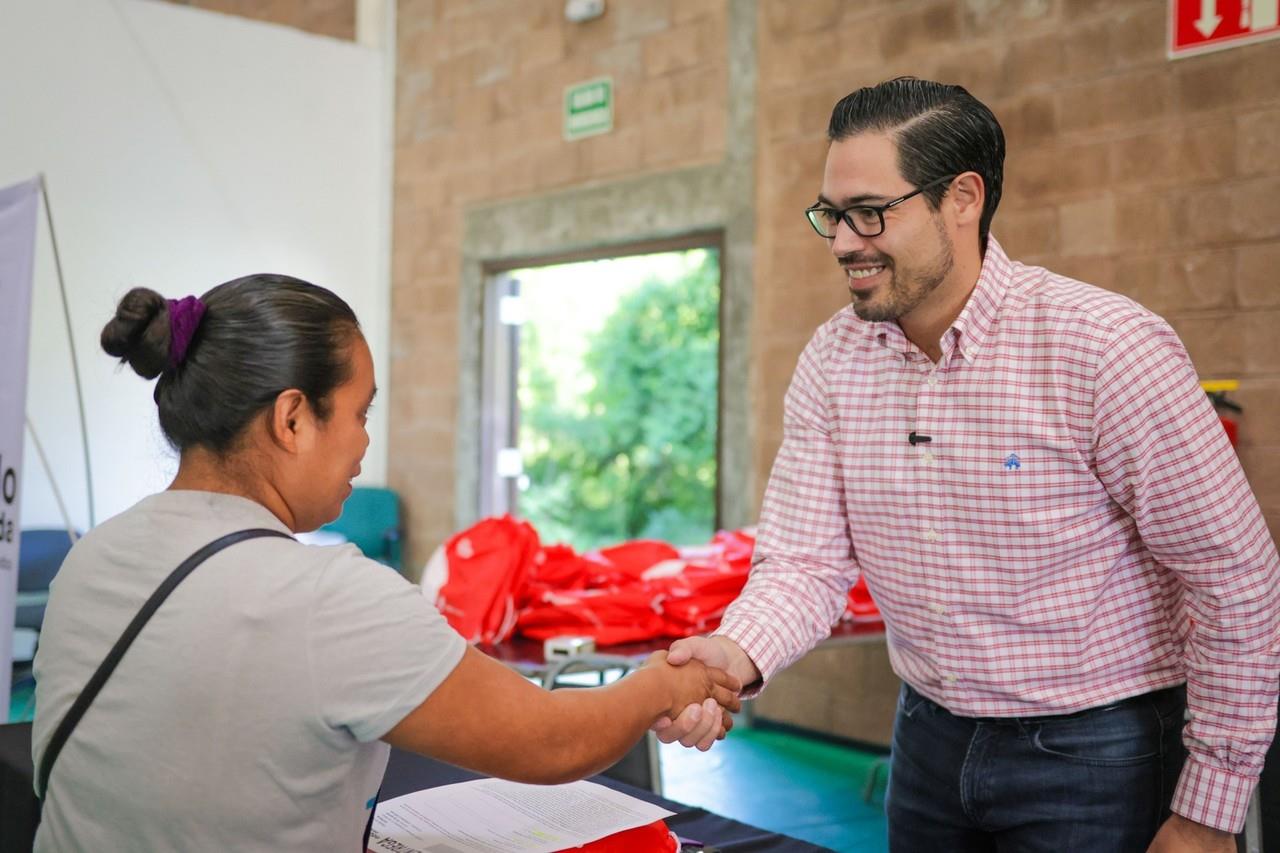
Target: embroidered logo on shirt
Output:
[{"x": 1012, "y": 462}]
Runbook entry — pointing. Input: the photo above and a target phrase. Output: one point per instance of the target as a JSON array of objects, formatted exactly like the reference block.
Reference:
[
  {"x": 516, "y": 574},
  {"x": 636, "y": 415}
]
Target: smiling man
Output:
[{"x": 1081, "y": 595}]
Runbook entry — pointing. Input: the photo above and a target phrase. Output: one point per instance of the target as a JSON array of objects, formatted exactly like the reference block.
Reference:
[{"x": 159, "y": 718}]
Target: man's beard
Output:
[{"x": 905, "y": 293}]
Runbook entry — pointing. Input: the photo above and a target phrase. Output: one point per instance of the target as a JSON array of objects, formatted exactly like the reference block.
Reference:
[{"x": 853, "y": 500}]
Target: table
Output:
[
  {"x": 408, "y": 772},
  {"x": 525, "y": 655}
]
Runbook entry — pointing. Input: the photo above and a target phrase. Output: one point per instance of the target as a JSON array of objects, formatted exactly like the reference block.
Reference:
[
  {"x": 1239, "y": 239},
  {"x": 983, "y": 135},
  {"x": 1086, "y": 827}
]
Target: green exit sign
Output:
[{"x": 588, "y": 108}]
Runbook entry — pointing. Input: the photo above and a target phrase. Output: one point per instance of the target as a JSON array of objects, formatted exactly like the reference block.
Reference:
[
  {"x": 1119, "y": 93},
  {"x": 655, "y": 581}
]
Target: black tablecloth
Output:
[{"x": 18, "y": 811}]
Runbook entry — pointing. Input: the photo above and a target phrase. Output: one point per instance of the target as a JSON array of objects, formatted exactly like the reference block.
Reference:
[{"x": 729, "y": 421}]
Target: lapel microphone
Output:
[{"x": 916, "y": 438}]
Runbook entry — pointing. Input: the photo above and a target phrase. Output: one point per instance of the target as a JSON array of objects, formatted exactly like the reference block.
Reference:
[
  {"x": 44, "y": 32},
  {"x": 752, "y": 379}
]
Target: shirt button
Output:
[
  {"x": 932, "y": 535},
  {"x": 950, "y": 679},
  {"x": 926, "y": 458},
  {"x": 933, "y": 379},
  {"x": 938, "y": 608}
]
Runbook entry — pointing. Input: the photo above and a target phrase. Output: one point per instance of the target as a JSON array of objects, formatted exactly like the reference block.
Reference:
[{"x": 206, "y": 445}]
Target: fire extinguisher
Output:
[{"x": 1228, "y": 410}]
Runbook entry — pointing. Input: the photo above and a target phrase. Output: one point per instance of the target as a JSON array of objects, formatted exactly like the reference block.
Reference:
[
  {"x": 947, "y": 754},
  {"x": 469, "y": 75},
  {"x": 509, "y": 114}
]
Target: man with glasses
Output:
[{"x": 1080, "y": 592}]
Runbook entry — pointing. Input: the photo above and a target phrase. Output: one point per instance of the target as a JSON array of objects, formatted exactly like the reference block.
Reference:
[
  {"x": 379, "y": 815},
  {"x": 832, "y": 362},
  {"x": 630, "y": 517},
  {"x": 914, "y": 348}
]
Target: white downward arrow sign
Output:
[{"x": 1209, "y": 17}]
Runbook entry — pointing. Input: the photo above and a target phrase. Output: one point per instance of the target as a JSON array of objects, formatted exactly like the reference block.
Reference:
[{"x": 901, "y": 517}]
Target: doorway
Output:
[{"x": 601, "y": 395}]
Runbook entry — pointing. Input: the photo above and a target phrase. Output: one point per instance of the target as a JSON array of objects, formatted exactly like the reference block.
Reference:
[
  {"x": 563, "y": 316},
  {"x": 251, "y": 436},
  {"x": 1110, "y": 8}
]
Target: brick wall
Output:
[
  {"x": 1153, "y": 178},
  {"x": 479, "y": 95},
  {"x": 334, "y": 18}
]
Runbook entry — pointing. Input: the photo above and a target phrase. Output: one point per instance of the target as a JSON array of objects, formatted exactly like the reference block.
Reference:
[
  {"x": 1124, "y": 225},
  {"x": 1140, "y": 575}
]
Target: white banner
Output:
[{"x": 18, "y": 207}]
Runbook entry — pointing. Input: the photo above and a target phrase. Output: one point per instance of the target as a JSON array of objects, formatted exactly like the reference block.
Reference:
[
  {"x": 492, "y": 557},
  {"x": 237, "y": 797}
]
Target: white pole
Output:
[
  {"x": 53, "y": 483},
  {"x": 71, "y": 344}
]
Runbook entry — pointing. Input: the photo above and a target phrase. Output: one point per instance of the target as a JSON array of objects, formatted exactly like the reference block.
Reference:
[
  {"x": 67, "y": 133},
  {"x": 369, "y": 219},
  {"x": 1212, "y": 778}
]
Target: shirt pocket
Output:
[{"x": 1030, "y": 474}]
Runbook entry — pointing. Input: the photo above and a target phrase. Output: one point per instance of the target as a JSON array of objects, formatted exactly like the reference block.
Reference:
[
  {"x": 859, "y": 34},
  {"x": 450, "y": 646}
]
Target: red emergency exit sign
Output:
[{"x": 1198, "y": 26}]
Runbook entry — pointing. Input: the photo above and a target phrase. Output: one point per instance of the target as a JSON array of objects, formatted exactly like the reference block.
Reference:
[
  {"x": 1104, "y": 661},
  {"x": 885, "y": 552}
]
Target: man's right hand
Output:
[
  {"x": 702, "y": 725},
  {"x": 695, "y": 683}
]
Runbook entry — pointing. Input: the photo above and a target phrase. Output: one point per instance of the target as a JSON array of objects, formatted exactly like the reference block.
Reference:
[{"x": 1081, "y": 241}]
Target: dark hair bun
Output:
[{"x": 139, "y": 333}]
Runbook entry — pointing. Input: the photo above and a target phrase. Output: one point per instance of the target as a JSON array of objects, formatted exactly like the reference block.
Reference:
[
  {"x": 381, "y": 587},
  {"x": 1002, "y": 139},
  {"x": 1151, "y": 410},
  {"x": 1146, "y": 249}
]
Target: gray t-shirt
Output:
[{"x": 246, "y": 715}]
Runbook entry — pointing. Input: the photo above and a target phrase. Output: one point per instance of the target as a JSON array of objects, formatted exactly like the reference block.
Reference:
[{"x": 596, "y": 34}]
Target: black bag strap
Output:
[
  {"x": 109, "y": 663},
  {"x": 368, "y": 827}
]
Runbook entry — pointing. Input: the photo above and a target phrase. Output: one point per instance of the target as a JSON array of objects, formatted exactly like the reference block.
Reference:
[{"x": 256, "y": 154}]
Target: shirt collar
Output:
[{"x": 976, "y": 319}]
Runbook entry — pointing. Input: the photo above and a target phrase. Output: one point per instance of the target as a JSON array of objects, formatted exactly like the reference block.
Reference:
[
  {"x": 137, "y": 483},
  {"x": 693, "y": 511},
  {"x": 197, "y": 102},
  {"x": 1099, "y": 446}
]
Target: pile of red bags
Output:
[{"x": 496, "y": 578}]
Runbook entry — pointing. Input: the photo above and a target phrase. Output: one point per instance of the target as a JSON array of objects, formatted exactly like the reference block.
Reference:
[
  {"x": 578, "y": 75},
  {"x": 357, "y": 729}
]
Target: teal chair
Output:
[{"x": 371, "y": 519}]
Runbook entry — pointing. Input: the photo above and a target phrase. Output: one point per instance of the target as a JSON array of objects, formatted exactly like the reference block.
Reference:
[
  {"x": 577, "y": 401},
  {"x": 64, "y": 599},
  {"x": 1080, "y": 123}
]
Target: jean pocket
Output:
[
  {"x": 909, "y": 702},
  {"x": 1111, "y": 737},
  {"x": 1171, "y": 705}
]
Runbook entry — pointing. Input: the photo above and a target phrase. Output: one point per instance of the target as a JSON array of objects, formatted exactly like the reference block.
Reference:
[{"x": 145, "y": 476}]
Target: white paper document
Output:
[{"x": 488, "y": 815}]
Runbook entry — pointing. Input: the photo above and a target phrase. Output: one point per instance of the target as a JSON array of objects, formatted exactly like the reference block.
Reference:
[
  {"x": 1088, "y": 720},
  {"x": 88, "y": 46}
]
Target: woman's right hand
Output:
[{"x": 693, "y": 683}]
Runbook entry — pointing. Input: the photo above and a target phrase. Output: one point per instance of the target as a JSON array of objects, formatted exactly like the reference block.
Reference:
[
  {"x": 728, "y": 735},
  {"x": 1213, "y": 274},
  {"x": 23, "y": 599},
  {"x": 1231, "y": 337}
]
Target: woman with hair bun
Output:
[{"x": 255, "y": 708}]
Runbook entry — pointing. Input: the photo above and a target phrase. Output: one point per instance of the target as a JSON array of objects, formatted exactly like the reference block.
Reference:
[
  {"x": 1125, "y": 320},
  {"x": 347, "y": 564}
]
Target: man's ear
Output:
[
  {"x": 967, "y": 194},
  {"x": 290, "y": 415}
]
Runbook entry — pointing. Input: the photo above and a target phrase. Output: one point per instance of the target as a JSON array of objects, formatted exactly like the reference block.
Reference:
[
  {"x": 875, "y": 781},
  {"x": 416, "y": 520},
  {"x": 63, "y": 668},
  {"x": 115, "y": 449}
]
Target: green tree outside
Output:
[{"x": 634, "y": 454}]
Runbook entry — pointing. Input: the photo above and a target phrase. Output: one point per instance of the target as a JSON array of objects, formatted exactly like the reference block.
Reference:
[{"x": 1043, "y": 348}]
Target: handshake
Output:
[{"x": 705, "y": 675}]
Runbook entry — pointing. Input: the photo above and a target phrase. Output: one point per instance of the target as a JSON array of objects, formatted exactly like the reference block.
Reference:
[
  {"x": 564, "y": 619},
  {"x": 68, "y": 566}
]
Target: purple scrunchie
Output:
[{"x": 184, "y": 318}]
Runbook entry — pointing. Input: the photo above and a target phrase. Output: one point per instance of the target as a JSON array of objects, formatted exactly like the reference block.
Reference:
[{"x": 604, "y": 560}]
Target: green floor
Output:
[
  {"x": 803, "y": 787},
  {"x": 22, "y": 702}
]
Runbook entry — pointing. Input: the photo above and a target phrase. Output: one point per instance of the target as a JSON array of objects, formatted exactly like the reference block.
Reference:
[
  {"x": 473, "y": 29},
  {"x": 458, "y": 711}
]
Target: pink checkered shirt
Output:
[{"x": 1077, "y": 531}]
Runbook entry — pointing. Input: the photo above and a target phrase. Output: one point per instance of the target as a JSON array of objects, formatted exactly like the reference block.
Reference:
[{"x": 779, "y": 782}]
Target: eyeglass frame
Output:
[{"x": 879, "y": 209}]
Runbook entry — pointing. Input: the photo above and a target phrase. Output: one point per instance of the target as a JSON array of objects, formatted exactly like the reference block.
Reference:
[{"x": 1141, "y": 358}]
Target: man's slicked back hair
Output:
[{"x": 940, "y": 130}]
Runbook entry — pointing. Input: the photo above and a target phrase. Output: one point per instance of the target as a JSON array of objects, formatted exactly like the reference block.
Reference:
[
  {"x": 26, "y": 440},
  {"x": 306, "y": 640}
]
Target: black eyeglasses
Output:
[{"x": 867, "y": 220}]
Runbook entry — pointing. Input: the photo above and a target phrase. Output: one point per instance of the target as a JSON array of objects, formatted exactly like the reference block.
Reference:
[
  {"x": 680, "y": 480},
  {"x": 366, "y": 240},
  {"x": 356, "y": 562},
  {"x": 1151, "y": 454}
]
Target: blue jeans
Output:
[{"x": 1098, "y": 781}]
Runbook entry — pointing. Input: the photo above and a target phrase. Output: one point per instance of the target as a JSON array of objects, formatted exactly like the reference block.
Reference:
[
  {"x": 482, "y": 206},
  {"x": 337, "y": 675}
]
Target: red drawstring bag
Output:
[
  {"x": 496, "y": 577},
  {"x": 610, "y": 616},
  {"x": 481, "y": 575},
  {"x": 695, "y": 599},
  {"x": 650, "y": 838},
  {"x": 619, "y": 565},
  {"x": 735, "y": 547},
  {"x": 555, "y": 568},
  {"x": 697, "y": 595},
  {"x": 861, "y": 607}
]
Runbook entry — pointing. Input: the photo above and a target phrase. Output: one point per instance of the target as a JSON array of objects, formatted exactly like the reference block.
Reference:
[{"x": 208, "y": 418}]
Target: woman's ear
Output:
[
  {"x": 290, "y": 417},
  {"x": 967, "y": 194}
]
